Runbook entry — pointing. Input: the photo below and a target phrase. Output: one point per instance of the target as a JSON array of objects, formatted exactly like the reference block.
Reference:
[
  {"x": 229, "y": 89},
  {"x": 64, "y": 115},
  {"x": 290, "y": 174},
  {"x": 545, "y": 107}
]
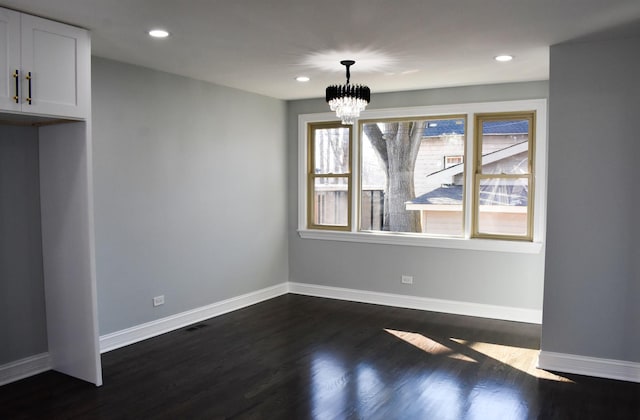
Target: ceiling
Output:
[{"x": 262, "y": 45}]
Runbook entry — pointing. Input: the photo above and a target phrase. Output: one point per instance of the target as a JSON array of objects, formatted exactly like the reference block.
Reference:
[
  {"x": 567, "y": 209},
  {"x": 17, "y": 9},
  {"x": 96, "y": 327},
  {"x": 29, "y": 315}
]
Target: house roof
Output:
[
  {"x": 436, "y": 128},
  {"x": 442, "y": 127},
  {"x": 447, "y": 194},
  {"x": 489, "y": 195}
]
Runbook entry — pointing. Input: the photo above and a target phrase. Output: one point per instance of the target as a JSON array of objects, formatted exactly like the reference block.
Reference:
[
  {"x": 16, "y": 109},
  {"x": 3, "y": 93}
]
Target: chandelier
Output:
[{"x": 348, "y": 100}]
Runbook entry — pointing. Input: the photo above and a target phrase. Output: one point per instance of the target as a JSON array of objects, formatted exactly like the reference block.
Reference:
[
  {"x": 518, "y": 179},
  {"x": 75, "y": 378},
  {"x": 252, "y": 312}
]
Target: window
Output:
[
  {"x": 404, "y": 185},
  {"x": 456, "y": 176},
  {"x": 329, "y": 176},
  {"x": 503, "y": 176},
  {"x": 453, "y": 160}
]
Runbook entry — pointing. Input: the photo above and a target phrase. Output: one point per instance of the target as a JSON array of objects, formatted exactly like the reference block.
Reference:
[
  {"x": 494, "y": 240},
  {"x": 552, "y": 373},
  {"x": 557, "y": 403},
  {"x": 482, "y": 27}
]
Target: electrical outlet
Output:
[
  {"x": 407, "y": 279},
  {"x": 158, "y": 300}
]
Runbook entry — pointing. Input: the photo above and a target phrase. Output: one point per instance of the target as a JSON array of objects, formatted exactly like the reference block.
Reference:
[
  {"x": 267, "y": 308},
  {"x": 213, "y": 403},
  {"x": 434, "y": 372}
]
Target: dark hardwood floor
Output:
[{"x": 297, "y": 357}]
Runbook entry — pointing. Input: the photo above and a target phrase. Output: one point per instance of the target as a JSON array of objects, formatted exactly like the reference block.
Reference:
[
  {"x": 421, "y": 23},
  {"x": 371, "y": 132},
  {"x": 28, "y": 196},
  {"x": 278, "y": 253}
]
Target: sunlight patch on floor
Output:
[
  {"x": 519, "y": 358},
  {"x": 428, "y": 345},
  {"x": 522, "y": 359}
]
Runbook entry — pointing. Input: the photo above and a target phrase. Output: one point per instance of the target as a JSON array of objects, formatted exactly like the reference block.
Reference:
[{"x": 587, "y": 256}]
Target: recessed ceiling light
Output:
[
  {"x": 503, "y": 58},
  {"x": 303, "y": 78},
  {"x": 158, "y": 33}
]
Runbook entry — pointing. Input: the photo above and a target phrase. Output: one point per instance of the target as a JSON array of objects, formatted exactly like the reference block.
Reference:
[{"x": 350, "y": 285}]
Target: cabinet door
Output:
[
  {"x": 9, "y": 59},
  {"x": 55, "y": 68}
]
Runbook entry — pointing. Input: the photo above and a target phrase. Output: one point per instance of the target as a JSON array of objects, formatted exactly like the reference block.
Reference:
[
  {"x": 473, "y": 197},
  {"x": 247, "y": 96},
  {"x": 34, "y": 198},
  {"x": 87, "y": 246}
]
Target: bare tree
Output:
[
  {"x": 333, "y": 151},
  {"x": 397, "y": 147}
]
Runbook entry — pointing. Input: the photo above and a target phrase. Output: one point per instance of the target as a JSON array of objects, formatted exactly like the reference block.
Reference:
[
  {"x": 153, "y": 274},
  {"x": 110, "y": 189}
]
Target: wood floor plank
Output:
[{"x": 298, "y": 357}]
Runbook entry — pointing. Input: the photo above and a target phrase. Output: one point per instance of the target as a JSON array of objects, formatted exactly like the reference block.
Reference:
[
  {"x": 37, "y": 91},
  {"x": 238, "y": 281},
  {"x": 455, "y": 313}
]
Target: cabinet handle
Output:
[
  {"x": 29, "y": 79},
  {"x": 16, "y": 76}
]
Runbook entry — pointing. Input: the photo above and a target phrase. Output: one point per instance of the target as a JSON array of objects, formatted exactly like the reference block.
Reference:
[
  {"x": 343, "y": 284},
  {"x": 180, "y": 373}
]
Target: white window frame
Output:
[{"x": 419, "y": 239}]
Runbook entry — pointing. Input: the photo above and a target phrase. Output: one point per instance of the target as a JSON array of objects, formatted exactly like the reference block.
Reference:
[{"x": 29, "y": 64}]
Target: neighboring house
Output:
[{"x": 439, "y": 194}]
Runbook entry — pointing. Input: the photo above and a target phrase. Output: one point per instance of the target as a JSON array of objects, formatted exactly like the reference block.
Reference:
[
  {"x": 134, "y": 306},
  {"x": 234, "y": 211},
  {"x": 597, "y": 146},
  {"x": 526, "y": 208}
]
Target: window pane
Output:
[
  {"x": 412, "y": 176},
  {"x": 331, "y": 150},
  {"x": 503, "y": 206},
  {"x": 331, "y": 201},
  {"x": 505, "y": 147}
]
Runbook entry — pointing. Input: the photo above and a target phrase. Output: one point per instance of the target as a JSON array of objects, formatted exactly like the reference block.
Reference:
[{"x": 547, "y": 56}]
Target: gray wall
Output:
[
  {"x": 592, "y": 274},
  {"x": 23, "y": 330},
  {"x": 493, "y": 278},
  {"x": 190, "y": 197}
]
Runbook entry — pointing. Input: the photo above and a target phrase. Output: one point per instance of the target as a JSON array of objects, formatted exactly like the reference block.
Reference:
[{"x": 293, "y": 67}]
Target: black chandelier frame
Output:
[{"x": 348, "y": 90}]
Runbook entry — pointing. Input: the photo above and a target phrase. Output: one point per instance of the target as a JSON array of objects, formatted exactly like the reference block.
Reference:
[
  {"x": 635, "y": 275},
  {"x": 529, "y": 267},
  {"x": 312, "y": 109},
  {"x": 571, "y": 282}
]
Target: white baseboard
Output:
[
  {"x": 590, "y": 366},
  {"x": 141, "y": 332},
  {"x": 24, "y": 368},
  {"x": 414, "y": 302}
]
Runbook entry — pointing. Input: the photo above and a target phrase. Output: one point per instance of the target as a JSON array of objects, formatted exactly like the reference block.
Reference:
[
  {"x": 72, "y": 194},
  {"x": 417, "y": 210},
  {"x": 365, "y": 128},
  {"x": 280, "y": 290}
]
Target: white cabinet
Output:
[{"x": 45, "y": 66}]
